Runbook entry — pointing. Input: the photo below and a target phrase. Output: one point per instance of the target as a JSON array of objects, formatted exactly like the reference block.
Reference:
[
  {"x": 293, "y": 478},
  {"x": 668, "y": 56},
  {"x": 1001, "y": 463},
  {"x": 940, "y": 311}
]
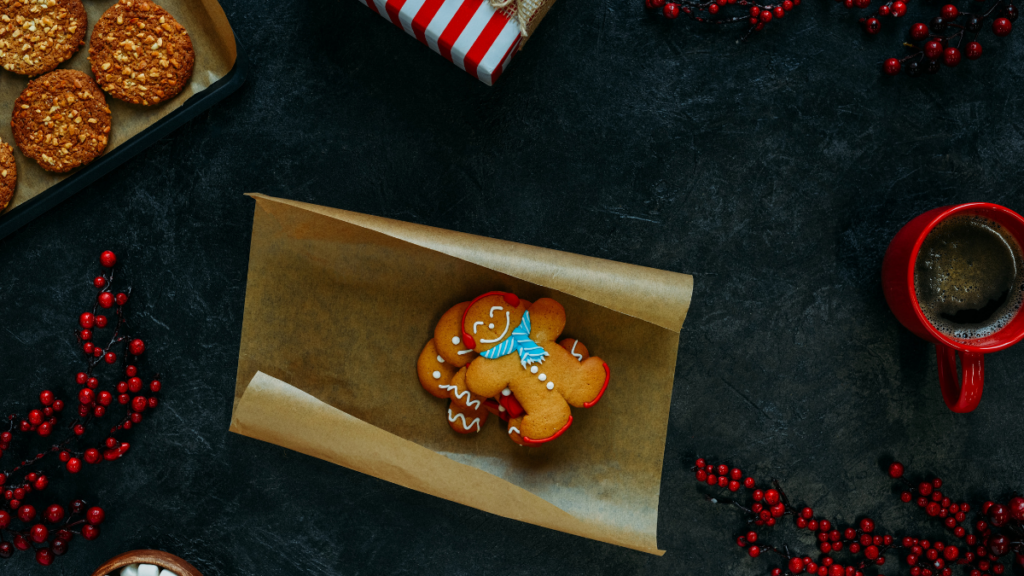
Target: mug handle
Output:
[{"x": 962, "y": 396}]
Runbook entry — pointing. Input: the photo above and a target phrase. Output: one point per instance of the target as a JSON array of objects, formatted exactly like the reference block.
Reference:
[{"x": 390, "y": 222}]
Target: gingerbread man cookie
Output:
[
  {"x": 519, "y": 357},
  {"x": 466, "y": 412}
]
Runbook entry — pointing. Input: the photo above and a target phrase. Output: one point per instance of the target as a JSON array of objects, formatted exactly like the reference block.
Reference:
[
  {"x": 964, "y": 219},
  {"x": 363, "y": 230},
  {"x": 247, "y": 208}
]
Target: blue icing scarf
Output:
[{"x": 519, "y": 341}]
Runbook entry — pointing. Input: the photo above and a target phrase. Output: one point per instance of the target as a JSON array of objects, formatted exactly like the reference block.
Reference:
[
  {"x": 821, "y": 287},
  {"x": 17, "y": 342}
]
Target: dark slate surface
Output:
[{"x": 774, "y": 171}]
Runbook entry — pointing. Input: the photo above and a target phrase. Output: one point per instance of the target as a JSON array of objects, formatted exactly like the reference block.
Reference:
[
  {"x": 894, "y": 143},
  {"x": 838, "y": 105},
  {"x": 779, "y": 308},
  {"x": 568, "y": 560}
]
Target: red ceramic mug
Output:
[{"x": 900, "y": 293}]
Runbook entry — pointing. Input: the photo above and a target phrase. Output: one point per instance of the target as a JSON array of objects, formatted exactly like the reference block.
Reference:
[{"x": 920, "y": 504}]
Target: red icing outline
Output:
[
  {"x": 607, "y": 377},
  {"x": 531, "y": 442},
  {"x": 509, "y": 297}
]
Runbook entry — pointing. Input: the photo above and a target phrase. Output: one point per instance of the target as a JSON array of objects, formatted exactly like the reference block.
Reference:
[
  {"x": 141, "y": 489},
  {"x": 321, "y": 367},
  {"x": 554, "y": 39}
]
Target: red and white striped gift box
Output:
[{"x": 470, "y": 33}]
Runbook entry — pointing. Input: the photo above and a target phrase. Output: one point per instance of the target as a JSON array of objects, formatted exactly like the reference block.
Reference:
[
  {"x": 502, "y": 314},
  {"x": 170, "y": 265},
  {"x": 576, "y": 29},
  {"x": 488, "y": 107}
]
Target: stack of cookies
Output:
[
  {"x": 138, "y": 53},
  {"x": 499, "y": 354}
]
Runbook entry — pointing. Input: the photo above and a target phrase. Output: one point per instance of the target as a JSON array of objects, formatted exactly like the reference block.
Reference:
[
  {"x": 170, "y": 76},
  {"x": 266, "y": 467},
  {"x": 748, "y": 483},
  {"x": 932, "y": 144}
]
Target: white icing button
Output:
[
  {"x": 166, "y": 572},
  {"x": 542, "y": 377},
  {"x": 491, "y": 326},
  {"x": 439, "y": 359},
  {"x": 501, "y": 408},
  {"x": 437, "y": 375},
  {"x": 551, "y": 385},
  {"x": 456, "y": 340},
  {"x": 506, "y": 392},
  {"x": 129, "y": 570},
  {"x": 148, "y": 570},
  {"x": 533, "y": 369}
]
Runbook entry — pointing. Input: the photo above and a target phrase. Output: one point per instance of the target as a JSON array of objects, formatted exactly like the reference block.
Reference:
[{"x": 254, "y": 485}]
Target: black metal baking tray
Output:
[{"x": 61, "y": 191}]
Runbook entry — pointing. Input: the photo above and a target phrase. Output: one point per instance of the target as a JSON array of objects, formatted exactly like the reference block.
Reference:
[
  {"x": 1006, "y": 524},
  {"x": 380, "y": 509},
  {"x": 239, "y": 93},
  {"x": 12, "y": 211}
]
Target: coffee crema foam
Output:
[{"x": 969, "y": 277}]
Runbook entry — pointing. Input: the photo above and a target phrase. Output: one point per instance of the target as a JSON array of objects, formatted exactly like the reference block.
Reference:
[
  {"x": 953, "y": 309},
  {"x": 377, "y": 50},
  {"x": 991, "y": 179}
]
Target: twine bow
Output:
[{"x": 522, "y": 11}]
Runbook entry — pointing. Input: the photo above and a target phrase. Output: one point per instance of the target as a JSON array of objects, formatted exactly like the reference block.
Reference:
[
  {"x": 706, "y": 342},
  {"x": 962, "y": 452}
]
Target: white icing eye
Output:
[
  {"x": 542, "y": 377},
  {"x": 491, "y": 326},
  {"x": 437, "y": 375},
  {"x": 439, "y": 359},
  {"x": 533, "y": 369},
  {"x": 456, "y": 340},
  {"x": 506, "y": 392},
  {"x": 551, "y": 385}
]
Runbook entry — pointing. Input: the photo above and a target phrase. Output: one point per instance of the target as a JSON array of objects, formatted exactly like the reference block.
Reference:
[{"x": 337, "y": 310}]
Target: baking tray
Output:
[{"x": 195, "y": 105}]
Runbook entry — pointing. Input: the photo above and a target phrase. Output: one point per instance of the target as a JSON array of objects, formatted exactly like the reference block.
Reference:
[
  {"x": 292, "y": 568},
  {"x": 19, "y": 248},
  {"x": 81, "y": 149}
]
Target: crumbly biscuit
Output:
[
  {"x": 61, "y": 120},
  {"x": 8, "y": 175},
  {"x": 519, "y": 356},
  {"x": 37, "y": 35},
  {"x": 140, "y": 54}
]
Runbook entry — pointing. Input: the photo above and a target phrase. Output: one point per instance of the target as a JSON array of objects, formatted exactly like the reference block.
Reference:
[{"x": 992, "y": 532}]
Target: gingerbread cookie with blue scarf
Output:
[{"x": 521, "y": 362}]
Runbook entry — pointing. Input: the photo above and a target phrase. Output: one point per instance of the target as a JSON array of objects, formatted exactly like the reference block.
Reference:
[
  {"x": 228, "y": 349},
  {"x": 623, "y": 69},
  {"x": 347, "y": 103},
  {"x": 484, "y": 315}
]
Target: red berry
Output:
[
  {"x": 766, "y": 16},
  {"x": 105, "y": 398},
  {"x": 59, "y": 546},
  {"x": 44, "y": 429},
  {"x": 54, "y": 513},
  {"x": 92, "y": 456},
  {"x": 949, "y": 12},
  {"x": 137, "y": 347},
  {"x": 110, "y": 358},
  {"x": 139, "y": 404},
  {"x": 21, "y": 543},
  {"x": 134, "y": 384},
  {"x": 85, "y": 334},
  {"x": 932, "y": 51},
  {"x": 99, "y": 282},
  {"x": 44, "y": 555},
  {"x": 951, "y": 56},
  {"x": 896, "y": 469},
  {"x": 94, "y": 515},
  {"x": 108, "y": 259},
  {"x": 1016, "y": 508},
  {"x": 152, "y": 402},
  {"x": 92, "y": 383},
  {"x": 1001, "y": 27},
  {"x": 754, "y": 551},
  {"x": 105, "y": 299},
  {"x": 79, "y": 429},
  {"x": 90, "y": 532},
  {"x": 778, "y": 12},
  {"x": 713, "y": 9},
  {"x": 99, "y": 411},
  {"x": 124, "y": 399},
  {"x": 787, "y": 5},
  {"x": 86, "y": 396},
  {"x": 26, "y": 513},
  {"x": 38, "y": 533},
  {"x": 671, "y": 11},
  {"x": 771, "y": 497},
  {"x": 755, "y": 11},
  {"x": 154, "y": 386},
  {"x": 796, "y": 565},
  {"x": 122, "y": 298},
  {"x": 131, "y": 370},
  {"x": 951, "y": 553},
  {"x": 86, "y": 320},
  {"x": 871, "y": 552},
  {"x": 136, "y": 417},
  {"x": 973, "y": 50},
  {"x": 46, "y": 398},
  {"x": 58, "y": 405},
  {"x": 906, "y": 497},
  {"x": 872, "y": 25},
  {"x": 899, "y": 8},
  {"x": 74, "y": 465},
  {"x": 5, "y": 519},
  {"x": 101, "y": 321},
  {"x": 867, "y": 525},
  {"x": 35, "y": 417}
]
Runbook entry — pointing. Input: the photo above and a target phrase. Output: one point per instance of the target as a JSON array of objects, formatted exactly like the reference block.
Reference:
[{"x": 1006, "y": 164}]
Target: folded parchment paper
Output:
[
  {"x": 337, "y": 309},
  {"x": 214, "y": 44}
]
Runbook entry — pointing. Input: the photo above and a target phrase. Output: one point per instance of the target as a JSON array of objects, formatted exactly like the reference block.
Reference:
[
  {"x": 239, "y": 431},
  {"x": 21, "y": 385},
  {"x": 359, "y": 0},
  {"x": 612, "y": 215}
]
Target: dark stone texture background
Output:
[{"x": 775, "y": 171}]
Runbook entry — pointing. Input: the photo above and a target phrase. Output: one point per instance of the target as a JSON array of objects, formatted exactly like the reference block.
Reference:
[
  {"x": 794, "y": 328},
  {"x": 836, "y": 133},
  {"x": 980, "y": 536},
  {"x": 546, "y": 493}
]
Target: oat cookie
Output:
[
  {"x": 37, "y": 35},
  {"x": 8, "y": 175},
  {"x": 61, "y": 120},
  {"x": 140, "y": 54}
]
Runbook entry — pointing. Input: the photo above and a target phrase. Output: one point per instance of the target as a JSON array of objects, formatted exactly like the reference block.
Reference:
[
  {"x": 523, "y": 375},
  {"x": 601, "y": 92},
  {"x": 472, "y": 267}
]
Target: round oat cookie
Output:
[
  {"x": 61, "y": 120},
  {"x": 37, "y": 35},
  {"x": 140, "y": 54},
  {"x": 8, "y": 175}
]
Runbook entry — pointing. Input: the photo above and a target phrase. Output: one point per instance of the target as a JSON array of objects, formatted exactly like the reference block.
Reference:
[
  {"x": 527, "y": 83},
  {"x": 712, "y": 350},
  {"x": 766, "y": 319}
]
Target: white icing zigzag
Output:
[
  {"x": 459, "y": 395},
  {"x": 512, "y": 429},
  {"x": 575, "y": 353},
  {"x": 464, "y": 424}
]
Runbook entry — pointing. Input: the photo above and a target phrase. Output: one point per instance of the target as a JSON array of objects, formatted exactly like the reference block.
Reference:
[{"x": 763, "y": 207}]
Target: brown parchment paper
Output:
[
  {"x": 338, "y": 306},
  {"x": 214, "y": 44}
]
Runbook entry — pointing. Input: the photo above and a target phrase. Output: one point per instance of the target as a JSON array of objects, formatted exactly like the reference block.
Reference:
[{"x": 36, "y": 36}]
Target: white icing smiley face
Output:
[{"x": 490, "y": 326}]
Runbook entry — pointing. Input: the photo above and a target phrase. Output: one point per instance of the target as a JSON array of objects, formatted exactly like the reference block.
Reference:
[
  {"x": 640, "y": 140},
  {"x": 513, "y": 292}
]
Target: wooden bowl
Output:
[{"x": 156, "y": 557}]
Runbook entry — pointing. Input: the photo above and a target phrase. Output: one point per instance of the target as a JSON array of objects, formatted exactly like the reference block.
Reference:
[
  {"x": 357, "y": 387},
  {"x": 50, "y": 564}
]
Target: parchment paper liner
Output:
[
  {"x": 214, "y": 44},
  {"x": 338, "y": 307}
]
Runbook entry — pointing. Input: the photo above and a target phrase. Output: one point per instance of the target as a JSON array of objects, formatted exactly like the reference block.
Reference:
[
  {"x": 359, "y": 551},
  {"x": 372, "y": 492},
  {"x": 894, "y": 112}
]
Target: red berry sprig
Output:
[
  {"x": 48, "y": 532},
  {"x": 999, "y": 531},
  {"x": 949, "y": 37},
  {"x": 756, "y": 14}
]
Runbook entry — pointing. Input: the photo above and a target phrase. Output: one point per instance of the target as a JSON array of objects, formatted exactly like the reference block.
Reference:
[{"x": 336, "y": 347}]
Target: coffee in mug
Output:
[{"x": 969, "y": 277}]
